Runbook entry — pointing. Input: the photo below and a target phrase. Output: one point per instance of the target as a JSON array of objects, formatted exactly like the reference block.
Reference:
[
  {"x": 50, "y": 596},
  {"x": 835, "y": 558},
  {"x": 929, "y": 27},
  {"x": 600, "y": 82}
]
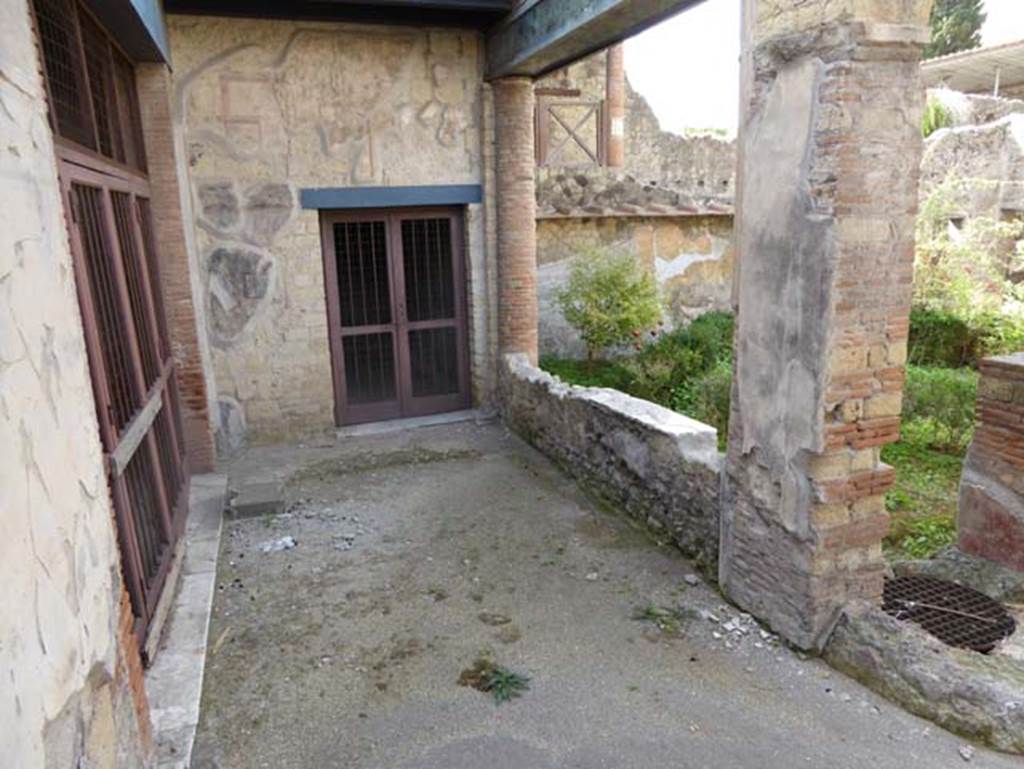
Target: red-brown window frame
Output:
[{"x": 153, "y": 433}]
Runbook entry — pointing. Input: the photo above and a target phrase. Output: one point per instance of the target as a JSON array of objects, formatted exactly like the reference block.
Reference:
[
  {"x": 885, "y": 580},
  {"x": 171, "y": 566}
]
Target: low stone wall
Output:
[
  {"x": 659, "y": 466},
  {"x": 990, "y": 522}
]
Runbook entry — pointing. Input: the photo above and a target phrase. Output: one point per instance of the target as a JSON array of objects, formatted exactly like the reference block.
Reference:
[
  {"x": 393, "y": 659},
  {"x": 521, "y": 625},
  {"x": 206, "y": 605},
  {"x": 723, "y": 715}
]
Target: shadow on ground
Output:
[{"x": 416, "y": 553}]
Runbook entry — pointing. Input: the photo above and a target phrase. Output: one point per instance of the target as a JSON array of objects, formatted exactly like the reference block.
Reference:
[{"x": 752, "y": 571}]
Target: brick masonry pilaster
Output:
[
  {"x": 154, "y": 87},
  {"x": 990, "y": 523},
  {"x": 516, "y": 208},
  {"x": 830, "y": 153}
]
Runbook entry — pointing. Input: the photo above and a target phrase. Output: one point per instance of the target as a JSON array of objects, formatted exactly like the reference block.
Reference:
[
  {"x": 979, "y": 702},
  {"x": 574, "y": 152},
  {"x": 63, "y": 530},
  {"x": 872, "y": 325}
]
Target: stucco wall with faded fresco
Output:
[
  {"x": 267, "y": 108},
  {"x": 65, "y": 699}
]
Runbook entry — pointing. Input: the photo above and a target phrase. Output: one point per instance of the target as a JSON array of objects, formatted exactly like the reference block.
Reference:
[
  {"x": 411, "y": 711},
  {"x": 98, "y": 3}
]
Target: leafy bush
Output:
[
  {"x": 941, "y": 338},
  {"x": 965, "y": 269},
  {"x": 707, "y": 397},
  {"x": 936, "y": 116},
  {"x": 938, "y": 407},
  {"x": 610, "y": 300},
  {"x": 688, "y": 370},
  {"x": 601, "y": 373}
]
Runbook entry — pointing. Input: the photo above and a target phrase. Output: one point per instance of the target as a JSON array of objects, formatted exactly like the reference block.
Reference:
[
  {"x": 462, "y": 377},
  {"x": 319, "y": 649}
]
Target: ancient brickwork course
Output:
[
  {"x": 830, "y": 148},
  {"x": 990, "y": 523}
]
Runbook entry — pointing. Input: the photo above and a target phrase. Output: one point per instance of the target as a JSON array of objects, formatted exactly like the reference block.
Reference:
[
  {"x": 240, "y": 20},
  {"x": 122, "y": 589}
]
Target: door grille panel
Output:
[
  {"x": 428, "y": 267},
  {"x": 139, "y": 301},
  {"x": 363, "y": 278},
  {"x": 434, "y": 361},
  {"x": 370, "y": 368},
  {"x": 112, "y": 325},
  {"x": 146, "y": 222},
  {"x": 145, "y": 503}
]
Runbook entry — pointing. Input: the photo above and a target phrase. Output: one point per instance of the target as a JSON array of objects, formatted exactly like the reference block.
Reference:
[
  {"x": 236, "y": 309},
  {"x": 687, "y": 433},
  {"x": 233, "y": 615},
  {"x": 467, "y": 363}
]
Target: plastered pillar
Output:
[{"x": 829, "y": 148}]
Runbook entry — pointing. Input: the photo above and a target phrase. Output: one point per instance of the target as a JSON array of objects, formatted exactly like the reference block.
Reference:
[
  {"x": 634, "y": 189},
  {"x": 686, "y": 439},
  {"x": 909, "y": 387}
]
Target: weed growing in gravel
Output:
[{"x": 665, "y": 619}]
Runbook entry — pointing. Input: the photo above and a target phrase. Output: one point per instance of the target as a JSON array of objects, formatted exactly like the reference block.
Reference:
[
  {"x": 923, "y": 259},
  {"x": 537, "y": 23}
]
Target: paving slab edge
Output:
[
  {"x": 970, "y": 694},
  {"x": 174, "y": 683}
]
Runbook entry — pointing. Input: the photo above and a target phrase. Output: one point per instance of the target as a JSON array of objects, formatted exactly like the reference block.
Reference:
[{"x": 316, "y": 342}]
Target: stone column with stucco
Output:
[
  {"x": 830, "y": 147},
  {"x": 516, "y": 206},
  {"x": 990, "y": 523},
  {"x": 163, "y": 158}
]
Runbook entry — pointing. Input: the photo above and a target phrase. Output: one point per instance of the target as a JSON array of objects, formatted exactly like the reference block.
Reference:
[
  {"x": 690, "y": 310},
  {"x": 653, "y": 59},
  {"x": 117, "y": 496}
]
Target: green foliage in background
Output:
[
  {"x": 956, "y": 26},
  {"x": 610, "y": 300},
  {"x": 936, "y": 116},
  {"x": 966, "y": 266},
  {"x": 938, "y": 407},
  {"x": 938, "y": 422},
  {"x": 942, "y": 338},
  {"x": 688, "y": 370}
]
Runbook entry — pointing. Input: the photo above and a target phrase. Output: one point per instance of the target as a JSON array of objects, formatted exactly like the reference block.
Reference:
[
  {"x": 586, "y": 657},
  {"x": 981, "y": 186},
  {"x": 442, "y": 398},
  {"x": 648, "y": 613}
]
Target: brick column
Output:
[
  {"x": 517, "y": 226},
  {"x": 154, "y": 87},
  {"x": 990, "y": 523},
  {"x": 830, "y": 148},
  {"x": 615, "y": 100}
]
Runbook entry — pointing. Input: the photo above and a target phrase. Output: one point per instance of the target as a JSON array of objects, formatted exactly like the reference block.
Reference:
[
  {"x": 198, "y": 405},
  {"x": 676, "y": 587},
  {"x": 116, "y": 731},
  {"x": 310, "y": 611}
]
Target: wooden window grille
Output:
[
  {"x": 95, "y": 118},
  {"x": 90, "y": 84}
]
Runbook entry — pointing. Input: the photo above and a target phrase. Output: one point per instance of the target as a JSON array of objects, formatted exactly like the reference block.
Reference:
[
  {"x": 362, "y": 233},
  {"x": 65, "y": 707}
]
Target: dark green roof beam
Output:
[{"x": 546, "y": 34}]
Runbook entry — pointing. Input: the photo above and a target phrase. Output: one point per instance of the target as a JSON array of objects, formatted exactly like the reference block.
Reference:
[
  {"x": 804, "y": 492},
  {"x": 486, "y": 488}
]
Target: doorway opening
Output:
[{"x": 396, "y": 306}]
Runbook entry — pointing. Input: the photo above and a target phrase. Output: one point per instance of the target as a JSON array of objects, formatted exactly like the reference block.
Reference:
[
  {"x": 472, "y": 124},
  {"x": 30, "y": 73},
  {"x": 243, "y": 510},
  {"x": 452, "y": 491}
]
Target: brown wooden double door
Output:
[{"x": 396, "y": 307}]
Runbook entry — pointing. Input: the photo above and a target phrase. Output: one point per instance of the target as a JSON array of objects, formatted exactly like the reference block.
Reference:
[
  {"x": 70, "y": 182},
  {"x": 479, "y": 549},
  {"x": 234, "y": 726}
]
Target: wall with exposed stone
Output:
[
  {"x": 670, "y": 206},
  {"x": 659, "y": 466},
  {"x": 267, "y": 108},
  {"x": 692, "y": 258},
  {"x": 71, "y": 686},
  {"x": 982, "y": 153}
]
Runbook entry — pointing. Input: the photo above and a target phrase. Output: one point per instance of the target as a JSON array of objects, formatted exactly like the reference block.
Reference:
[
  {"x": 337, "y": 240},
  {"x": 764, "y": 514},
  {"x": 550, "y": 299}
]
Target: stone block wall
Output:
[
  {"x": 268, "y": 107},
  {"x": 70, "y": 698},
  {"x": 990, "y": 522},
  {"x": 980, "y": 159},
  {"x": 830, "y": 149},
  {"x": 692, "y": 258},
  {"x": 659, "y": 466}
]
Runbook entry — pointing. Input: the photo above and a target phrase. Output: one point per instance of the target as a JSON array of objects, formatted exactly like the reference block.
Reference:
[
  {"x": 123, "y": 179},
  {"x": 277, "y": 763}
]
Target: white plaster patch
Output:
[{"x": 666, "y": 269}]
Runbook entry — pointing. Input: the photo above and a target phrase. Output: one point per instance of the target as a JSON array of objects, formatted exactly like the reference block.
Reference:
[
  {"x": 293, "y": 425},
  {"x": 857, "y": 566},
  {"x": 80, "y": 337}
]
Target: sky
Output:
[{"x": 688, "y": 66}]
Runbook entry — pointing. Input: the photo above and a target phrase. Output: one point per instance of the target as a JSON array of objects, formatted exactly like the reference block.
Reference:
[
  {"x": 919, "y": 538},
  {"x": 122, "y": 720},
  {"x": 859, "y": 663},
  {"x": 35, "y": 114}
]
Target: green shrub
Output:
[
  {"x": 707, "y": 398},
  {"x": 942, "y": 338},
  {"x": 965, "y": 268},
  {"x": 938, "y": 407},
  {"x": 610, "y": 300},
  {"x": 688, "y": 370},
  {"x": 708, "y": 339},
  {"x": 600, "y": 373},
  {"x": 939, "y": 338},
  {"x": 936, "y": 116}
]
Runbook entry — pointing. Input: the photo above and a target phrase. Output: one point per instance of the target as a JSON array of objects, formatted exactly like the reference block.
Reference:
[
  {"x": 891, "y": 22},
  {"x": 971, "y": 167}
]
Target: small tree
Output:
[
  {"x": 956, "y": 26},
  {"x": 609, "y": 299}
]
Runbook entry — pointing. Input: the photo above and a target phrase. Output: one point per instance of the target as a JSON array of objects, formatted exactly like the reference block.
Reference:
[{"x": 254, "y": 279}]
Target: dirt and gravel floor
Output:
[{"x": 341, "y": 627}]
